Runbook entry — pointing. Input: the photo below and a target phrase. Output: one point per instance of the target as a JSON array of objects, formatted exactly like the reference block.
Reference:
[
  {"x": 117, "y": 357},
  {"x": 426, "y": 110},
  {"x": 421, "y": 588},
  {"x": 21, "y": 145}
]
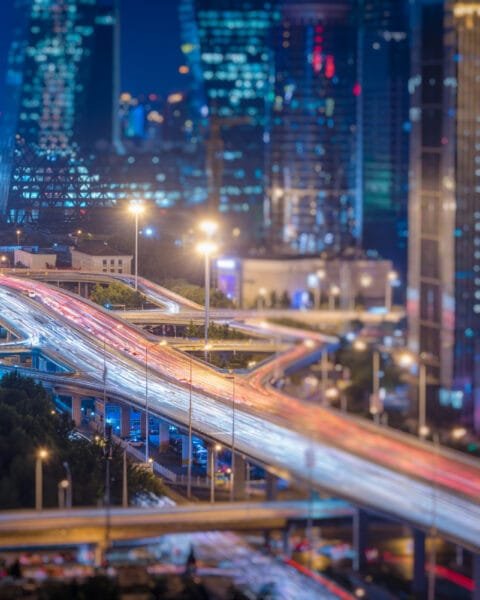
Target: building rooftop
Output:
[{"x": 98, "y": 248}]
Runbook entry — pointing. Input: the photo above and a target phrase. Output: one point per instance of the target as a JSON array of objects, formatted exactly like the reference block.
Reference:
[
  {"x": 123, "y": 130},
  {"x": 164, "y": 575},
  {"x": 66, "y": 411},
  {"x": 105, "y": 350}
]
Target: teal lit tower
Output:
[
  {"x": 62, "y": 77},
  {"x": 384, "y": 48}
]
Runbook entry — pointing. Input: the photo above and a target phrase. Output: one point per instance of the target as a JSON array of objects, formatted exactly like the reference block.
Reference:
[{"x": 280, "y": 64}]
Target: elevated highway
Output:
[
  {"x": 373, "y": 467},
  {"x": 87, "y": 526}
]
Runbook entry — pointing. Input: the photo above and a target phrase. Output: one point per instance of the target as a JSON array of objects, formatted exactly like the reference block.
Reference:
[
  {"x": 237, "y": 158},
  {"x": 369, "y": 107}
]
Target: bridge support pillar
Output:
[
  {"x": 99, "y": 410},
  {"x": 286, "y": 534},
  {"x": 360, "y": 534},
  {"x": 184, "y": 450},
  {"x": 476, "y": 577},
  {"x": 77, "y": 410},
  {"x": 125, "y": 423},
  {"x": 419, "y": 580},
  {"x": 163, "y": 436},
  {"x": 271, "y": 488},
  {"x": 239, "y": 478},
  {"x": 143, "y": 424}
]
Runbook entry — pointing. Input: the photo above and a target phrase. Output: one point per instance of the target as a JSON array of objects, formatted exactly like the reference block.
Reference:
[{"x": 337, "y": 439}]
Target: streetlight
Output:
[
  {"x": 18, "y": 233},
  {"x": 213, "y": 466},
  {"x": 321, "y": 274},
  {"x": 68, "y": 487},
  {"x": 42, "y": 454},
  {"x": 207, "y": 248},
  {"x": 4, "y": 260},
  {"x": 208, "y": 227},
  {"x": 390, "y": 281},
  {"x": 232, "y": 475},
  {"x": 332, "y": 297},
  {"x": 406, "y": 360},
  {"x": 375, "y": 403},
  {"x": 262, "y": 295},
  {"x": 189, "y": 465},
  {"x": 136, "y": 209}
]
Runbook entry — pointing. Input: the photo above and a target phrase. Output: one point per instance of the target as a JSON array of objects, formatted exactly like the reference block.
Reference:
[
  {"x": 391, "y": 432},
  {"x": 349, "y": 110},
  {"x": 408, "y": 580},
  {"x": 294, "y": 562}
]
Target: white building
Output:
[
  {"x": 35, "y": 260},
  {"x": 100, "y": 258},
  {"x": 306, "y": 282}
]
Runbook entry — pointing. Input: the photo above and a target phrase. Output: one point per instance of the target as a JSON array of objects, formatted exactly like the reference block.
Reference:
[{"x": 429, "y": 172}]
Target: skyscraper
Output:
[
  {"x": 444, "y": 206},
  {"x": 64, "y": 84},
  {"x": 314, "y": 202},
  {"x": 384, "y": 46},
  {"x": 227, "y": 46}
]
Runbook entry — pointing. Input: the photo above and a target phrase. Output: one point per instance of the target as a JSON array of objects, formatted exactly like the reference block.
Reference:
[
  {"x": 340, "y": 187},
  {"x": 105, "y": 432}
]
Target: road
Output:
[{"x": 370, "y": 466}]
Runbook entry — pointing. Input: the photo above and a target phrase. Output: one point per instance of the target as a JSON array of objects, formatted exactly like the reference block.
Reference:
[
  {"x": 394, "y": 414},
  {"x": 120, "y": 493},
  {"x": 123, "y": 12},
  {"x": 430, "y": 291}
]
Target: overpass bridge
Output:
[
  {"x": 376, "y": 468},
  {"x": 87, "y": 525},
  {"x": 175, "y": 308}
]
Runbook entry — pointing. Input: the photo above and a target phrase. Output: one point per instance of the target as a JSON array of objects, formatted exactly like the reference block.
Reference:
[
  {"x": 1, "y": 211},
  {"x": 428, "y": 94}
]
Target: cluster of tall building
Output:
[{"x": 316, "y": 125}]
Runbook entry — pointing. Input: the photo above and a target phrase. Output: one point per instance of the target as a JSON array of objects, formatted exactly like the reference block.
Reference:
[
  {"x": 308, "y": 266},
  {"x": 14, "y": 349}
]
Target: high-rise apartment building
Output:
[
  {"x": 314, "y": 202},
  {"x": 62, "y": 76},
  {"x": 227, "y": 46},
  {"x": 384, "y": 46},
  {"x": 444, "y": 206}
]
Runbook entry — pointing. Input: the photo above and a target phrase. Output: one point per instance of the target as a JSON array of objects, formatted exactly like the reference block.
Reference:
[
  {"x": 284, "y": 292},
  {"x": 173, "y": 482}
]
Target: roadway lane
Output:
[{"x": 401, "y": 478}]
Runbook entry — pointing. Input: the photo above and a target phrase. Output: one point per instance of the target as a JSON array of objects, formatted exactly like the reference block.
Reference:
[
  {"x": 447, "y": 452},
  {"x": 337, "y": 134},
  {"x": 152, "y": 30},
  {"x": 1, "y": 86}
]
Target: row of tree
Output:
[{"x": 28, "y": 422}]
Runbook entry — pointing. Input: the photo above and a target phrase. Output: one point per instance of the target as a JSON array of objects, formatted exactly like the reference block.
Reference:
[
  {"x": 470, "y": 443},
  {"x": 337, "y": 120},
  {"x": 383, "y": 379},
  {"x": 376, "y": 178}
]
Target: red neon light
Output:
[
  {"x": 329, "y": 66},
  {"x": 357, "y": 89}
]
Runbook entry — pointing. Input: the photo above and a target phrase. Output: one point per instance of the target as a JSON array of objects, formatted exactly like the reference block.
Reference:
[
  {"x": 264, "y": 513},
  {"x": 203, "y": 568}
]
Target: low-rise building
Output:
[
  {"x": 34, "y": 259},
  {"x": 101, "y": 258},
  {"x": 306, "y": 282}
]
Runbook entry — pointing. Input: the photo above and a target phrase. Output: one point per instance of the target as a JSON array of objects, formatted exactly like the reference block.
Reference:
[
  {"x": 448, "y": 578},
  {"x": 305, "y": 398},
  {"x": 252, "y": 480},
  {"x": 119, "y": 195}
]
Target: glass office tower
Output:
[
  {"x": 385, "y": 56},
  {"x": 227, "y": 44},
  {"x": 314, "y": 202},
  {"x": 444, "y": 206}
]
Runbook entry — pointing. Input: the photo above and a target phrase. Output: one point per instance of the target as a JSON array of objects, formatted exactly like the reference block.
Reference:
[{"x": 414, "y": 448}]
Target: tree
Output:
[
  {"x": 285, "y": 300},
  {"x": 197, "y": 294},
  {"x": 29, "y": 422},
  {"x": 116, "y": 294}
]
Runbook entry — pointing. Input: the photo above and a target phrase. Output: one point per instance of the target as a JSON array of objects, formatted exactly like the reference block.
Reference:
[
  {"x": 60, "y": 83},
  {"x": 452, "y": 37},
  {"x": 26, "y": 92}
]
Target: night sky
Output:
[{"x": 150, "y": 45}]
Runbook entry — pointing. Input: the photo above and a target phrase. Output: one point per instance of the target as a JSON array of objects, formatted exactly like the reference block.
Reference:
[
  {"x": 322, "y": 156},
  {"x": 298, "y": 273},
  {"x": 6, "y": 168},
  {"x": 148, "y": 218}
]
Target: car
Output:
[{"x": 135, "y": 442}]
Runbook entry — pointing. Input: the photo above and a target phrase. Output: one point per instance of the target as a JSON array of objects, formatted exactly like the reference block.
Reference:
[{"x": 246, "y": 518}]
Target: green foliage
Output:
[
  {"x": 29, "y": 422},
  {"x": 215, "y": 332},
  {"x": 116, "y": 294},
  {"x": 197, "y": 294}
]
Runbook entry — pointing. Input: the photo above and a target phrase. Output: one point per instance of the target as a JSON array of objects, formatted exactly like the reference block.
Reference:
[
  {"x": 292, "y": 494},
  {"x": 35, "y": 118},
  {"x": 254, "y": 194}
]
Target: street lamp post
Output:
[
  {"x": 147, "y": 442},
  {"x": 68, "y": 490},
  {"x": 189, "y": 464},
  {"x": 136, "y": 209},
  {"x": 332, "y": 297},
  {"x": 18, "y": 233},
  {"x": 324, "y": 373},
  {"x": 213, "y": 465},
  {"x": 375, "y": 407},
  {"x": 42, "y": 454},
  {"x": 390, "y": 281},
  {"x": 232, "y": 475},
  {"x": 207, "y": 248},
  {"x": 321, "y": 274},
  {"x": 407, "y": 359}
]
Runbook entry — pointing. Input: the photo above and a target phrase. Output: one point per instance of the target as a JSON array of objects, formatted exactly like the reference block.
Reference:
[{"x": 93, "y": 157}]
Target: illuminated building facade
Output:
[
  {"x": 314, "y": 202},
  {"x": 444, "y": 206},
  {"x": 65, "y": 86},
  {"x": 227, "y": 47},
  {"x": 385, "y": 69}
]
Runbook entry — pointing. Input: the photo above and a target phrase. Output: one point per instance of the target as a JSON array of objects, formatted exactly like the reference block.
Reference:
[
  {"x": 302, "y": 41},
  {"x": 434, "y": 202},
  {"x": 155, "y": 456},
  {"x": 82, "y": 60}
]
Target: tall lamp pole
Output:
[
  {"x": 207, "y": 248},
  {"x": 232, "y": 475},
  {"x": 42, "y": 455},
  {"x": 189, "y": 464},
  {"x": 136, "y": 209},
  {"x": 390, "y": 281}
]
